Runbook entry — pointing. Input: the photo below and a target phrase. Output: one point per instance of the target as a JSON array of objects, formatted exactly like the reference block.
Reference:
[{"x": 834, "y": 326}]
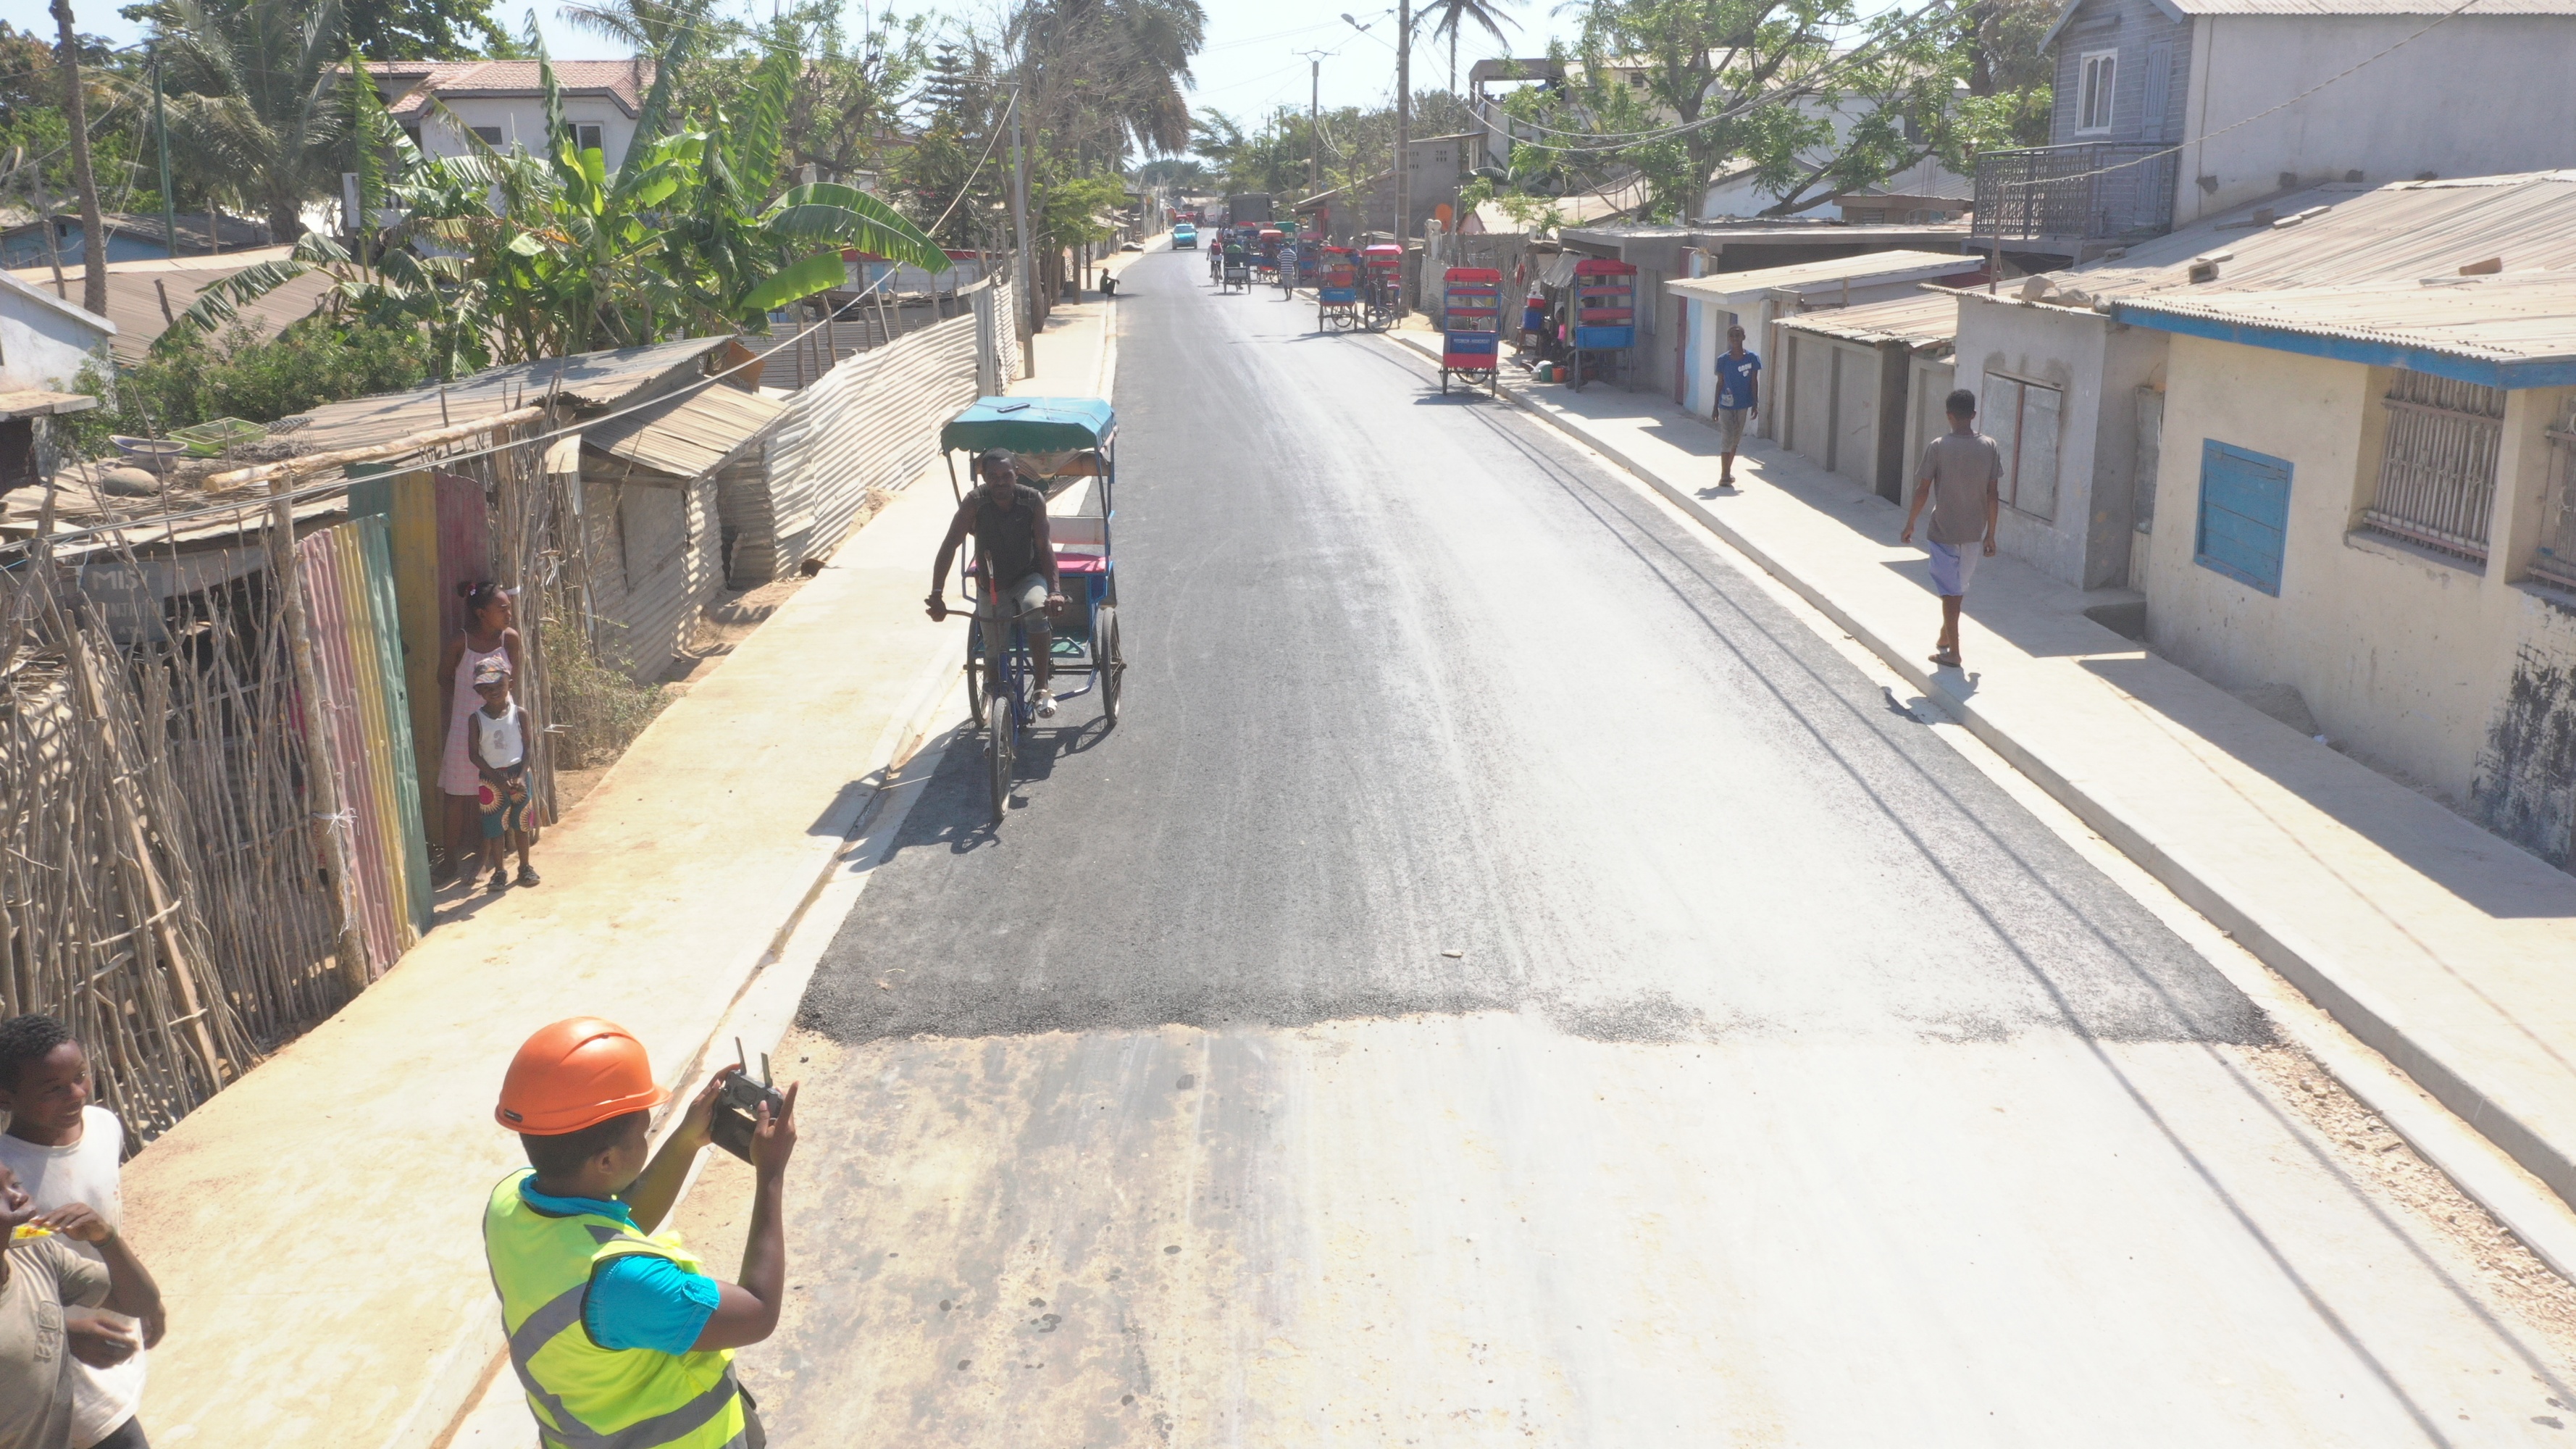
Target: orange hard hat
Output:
[{"x": 575, "y": 1074}]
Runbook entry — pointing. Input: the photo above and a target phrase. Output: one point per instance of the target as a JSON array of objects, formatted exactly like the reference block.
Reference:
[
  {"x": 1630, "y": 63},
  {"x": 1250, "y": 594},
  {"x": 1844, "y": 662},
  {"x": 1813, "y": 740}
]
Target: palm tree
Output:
[
  {"x": 1455, "y": 13},
  {"x": 1104, "y": 75},
  {"x": 652, "y": 27},
  {"x": 252, "y": 99}
]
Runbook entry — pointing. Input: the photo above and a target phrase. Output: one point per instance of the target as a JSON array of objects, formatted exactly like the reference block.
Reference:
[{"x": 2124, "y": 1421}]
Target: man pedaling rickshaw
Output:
[{"x": 1017, "y": 555}]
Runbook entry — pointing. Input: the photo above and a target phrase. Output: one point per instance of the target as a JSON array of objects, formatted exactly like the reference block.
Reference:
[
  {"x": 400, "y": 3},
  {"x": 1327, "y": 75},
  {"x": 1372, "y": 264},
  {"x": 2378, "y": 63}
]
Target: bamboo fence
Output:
[{"x": 170, "y": 885}]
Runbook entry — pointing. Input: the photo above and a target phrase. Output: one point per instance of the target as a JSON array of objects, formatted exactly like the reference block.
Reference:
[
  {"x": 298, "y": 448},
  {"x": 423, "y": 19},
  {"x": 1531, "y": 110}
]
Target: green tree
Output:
[
  {"x": 1697, "y": 92},
  {"x": 1448, "y": 17},
  {"x": 426, "y": 29},
  {"x": 504, "y": 256},
  {"x": 251, "y": 109}
]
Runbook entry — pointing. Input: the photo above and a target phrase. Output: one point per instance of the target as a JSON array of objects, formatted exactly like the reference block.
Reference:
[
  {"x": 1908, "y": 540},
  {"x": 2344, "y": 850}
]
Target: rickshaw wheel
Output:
[
  {"x": 1001, "y": 752},
  {"x": 974, "y": 686},
  {"x": 1109, "y": 661}
]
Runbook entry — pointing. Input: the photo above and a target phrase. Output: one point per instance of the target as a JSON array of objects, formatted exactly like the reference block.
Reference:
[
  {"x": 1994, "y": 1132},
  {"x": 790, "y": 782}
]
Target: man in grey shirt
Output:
[{"x": 1961, "y": 478}]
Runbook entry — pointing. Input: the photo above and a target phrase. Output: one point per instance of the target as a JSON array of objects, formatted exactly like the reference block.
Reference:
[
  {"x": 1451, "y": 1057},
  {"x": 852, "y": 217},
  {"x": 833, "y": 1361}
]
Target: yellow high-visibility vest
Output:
[{"x": 586, "y": 1396}]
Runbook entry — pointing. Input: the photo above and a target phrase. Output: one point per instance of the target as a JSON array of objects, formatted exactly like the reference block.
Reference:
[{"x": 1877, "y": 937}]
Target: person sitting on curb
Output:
[
  {"x": 46, "y": 1332},
  {"x": 65, "y": 1150},
  {"x": 1739, "y": 392},
  {"x": 619, "y": 1337},
  {"x": 1962, "y": 478},
  {"x": 498, "y": 743}
]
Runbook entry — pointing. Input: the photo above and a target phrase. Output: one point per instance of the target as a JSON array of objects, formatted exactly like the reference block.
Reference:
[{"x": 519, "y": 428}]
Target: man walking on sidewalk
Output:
[
  {"x": 616, "y": 1336},
  {"x": 1738, "y": 393},
  {"x": 1962, "y": 476}
]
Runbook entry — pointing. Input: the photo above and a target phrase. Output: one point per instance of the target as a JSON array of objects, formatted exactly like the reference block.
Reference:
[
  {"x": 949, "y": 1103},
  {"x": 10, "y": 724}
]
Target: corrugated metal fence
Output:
[{"x": 872, "y": 422}]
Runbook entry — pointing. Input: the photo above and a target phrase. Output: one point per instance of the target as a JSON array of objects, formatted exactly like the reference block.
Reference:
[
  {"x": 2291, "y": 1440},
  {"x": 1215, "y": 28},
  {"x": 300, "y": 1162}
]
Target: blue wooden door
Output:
[{"x": 2244, "y": 515}]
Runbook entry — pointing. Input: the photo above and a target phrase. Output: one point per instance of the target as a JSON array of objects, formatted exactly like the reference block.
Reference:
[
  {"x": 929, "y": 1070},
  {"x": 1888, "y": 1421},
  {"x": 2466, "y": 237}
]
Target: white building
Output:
[
  {"x": 2369, "y": 494},
  {"x": 502, "y": 104},
  {"x": 44, "y": 340}
]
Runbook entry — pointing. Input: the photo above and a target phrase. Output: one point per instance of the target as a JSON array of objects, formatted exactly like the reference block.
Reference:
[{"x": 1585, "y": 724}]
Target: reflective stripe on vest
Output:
[{"x": 585, "y": 1396}]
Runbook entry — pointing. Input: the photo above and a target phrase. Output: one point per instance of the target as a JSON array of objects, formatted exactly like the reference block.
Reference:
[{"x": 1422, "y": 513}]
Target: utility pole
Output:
[
  {"x": 93, "y": 229},
  {"x": 161, "y": 128},
  {"x": 1314, "y": 124},
  {"x": 1403, "y": 138},
  {"x": 1020, "y": 228}
]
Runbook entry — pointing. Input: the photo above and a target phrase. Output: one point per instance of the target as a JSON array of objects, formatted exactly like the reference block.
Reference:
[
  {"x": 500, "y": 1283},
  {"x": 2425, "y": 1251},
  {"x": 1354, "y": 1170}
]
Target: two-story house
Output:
[
  {"x": 2172, "y": 111},
  {"x": 503, "y": 104}
]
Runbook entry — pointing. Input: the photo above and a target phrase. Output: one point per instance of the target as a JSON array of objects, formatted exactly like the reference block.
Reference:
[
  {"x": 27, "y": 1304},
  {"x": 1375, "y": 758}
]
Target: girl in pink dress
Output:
[{"x": 488, "y": 634}]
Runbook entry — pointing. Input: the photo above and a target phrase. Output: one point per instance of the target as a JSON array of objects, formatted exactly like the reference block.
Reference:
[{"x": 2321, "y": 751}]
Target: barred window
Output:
[
  {"x": 2437, "y": 475},
  {"x": 2555, "y": 560}
]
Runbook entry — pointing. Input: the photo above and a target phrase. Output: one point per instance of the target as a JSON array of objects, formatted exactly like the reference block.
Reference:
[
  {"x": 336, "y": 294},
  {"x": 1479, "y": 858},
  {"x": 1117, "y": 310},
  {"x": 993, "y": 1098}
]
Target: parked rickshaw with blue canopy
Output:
[{"x": 1066, "y": 448}]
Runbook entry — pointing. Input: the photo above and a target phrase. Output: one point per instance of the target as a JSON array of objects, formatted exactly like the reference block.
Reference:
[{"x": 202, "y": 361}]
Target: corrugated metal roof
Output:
[
  {"x": 589, "y": 379},
  {"x": 1928, "y": 319},
  {"x": 134, "y": 303},
  {"x": 2405, "y": 230},
  {"x": 687, "y": 436},
  {"x": 2529, "y": 317},
  {"x": 2372, "y": 7},
  {"x": 2179, "y": 9},
  {"x": 1735, "y": 288}
]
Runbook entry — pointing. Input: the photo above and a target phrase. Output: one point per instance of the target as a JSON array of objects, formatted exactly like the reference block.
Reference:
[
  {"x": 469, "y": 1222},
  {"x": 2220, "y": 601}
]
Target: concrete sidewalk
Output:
[
  {"x": 315, "y": 1227},
  {"x": 2437, "y": 944}
]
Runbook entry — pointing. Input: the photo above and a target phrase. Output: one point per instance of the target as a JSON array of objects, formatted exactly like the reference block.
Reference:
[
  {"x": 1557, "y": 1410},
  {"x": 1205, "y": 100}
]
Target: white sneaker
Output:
[{"x": 1046, "y": 705}]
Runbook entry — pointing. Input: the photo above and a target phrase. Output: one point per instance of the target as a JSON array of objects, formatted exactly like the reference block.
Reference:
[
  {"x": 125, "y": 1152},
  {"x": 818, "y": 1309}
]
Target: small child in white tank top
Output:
[{"x": 497, "y": 741}]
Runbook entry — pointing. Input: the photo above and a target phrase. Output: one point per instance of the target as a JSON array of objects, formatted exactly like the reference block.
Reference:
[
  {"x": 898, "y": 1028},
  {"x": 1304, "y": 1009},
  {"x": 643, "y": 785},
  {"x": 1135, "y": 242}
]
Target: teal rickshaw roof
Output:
[{"x": 1031, "y": 425}]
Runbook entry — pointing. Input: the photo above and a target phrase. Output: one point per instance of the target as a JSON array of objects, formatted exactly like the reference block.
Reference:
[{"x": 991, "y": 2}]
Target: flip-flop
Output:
[{"x": 1947, "y": 659}]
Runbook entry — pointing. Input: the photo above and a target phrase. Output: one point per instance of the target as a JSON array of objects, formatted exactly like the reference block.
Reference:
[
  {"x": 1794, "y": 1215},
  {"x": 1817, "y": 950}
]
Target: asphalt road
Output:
[{"x": 1506, "y": 979}]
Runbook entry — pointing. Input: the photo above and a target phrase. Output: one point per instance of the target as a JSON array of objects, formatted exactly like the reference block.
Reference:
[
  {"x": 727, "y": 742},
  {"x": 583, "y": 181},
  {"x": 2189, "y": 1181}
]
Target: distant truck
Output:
[{"x": 1252, "y": 206}]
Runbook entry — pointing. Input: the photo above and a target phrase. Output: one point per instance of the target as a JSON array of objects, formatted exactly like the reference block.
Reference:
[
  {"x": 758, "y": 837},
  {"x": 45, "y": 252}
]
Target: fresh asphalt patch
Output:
[{"x": 1427, "y": 715}]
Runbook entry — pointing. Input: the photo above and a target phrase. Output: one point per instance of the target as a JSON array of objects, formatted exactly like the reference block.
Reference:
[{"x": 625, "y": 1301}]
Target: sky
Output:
[{"x": 1253, "y": 59}]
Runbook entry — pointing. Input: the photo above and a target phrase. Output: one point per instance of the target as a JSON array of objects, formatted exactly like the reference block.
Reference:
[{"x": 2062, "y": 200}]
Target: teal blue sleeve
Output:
[{"x": 645, "y": 1301}]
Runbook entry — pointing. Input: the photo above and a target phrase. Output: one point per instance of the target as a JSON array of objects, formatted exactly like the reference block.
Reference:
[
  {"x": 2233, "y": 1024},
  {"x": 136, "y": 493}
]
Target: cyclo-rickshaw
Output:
[
  {"x": 1067, "y": 449},
  {"x": 1381, "y": 285},
  {"x": 1471, "y": 327},
  {"x": 1337, "y": 291},
  {"x": 1265, "y": 256}
]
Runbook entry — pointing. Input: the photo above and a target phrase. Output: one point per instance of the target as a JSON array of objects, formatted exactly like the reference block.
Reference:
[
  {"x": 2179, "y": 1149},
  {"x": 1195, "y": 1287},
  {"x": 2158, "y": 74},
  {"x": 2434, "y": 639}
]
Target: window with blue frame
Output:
[{"x": 2244, "y": 515}]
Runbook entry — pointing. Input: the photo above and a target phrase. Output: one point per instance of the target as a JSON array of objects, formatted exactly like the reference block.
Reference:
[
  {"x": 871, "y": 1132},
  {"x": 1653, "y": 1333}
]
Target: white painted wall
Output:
[
  {"x": 2410, "y": 111},
  {"x": 2098, "y": 367},
  {"x": 522, "y": 122},
  {"x": 1760, "y": 321},
  {"x": 43, "y": 341},
  {"x": 1925, "y": 178},
  {"x": 2407, "y": 660}
]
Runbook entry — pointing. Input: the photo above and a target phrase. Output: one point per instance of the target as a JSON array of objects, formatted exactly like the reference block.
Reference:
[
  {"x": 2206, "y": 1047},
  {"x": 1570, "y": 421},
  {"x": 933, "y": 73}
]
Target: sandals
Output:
[
  {"x": 527, "y": 877},
  {"x": 500, "y": 882},
  {"x": 1946, "y": 658}
]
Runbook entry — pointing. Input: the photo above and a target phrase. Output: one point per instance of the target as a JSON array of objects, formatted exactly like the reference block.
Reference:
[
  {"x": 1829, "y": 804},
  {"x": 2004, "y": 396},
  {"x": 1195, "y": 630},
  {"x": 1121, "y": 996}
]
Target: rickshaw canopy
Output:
[{"x": 1031, "y": 425}]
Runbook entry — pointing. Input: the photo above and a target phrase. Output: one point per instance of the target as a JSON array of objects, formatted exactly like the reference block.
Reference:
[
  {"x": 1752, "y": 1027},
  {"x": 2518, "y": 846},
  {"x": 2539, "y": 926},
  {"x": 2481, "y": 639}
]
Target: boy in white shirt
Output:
[
  {"x": 65, "y": 1152},
  {"x": 497, "y": 741}
]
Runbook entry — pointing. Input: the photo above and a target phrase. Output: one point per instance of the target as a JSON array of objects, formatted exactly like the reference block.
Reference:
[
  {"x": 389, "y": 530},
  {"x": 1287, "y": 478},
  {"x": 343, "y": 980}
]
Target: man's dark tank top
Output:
[{"x": 1005, "y": 537}]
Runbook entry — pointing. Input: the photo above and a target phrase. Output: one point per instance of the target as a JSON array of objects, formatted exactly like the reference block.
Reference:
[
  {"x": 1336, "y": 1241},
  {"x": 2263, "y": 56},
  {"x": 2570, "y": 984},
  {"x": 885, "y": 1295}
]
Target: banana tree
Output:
[{"x": 507, "y": 255}]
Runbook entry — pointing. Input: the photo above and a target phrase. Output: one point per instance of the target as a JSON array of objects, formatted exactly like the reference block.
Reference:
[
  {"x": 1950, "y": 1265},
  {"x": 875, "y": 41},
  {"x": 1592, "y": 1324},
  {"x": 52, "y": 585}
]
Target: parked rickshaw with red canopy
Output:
[
  {"x": 1381, "y": 285},
  {"x": 1471, "y": 327},
  {"x": 1337, "y": 290}
]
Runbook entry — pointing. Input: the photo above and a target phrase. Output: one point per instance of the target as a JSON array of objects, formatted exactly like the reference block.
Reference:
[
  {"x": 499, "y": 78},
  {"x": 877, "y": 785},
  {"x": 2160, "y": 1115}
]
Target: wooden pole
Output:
[
  {"x": 321, "y": 752},
  {"x": 76, "y": 117}
]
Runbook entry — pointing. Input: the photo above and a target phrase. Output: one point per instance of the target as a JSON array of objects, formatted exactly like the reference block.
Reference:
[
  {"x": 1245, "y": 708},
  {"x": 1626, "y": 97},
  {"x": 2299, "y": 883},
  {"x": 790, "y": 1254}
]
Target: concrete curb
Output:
[{"x": 2540, "y": 1221}]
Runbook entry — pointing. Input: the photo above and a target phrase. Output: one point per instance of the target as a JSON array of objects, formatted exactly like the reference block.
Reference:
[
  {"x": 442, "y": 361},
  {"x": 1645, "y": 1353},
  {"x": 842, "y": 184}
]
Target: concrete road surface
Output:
[{"x": 1506, "y": 980}]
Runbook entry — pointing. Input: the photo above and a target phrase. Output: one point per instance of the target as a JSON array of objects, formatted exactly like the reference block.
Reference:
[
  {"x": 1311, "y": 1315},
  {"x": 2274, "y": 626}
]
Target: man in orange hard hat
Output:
[{"x": 620, "y": 1337}]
